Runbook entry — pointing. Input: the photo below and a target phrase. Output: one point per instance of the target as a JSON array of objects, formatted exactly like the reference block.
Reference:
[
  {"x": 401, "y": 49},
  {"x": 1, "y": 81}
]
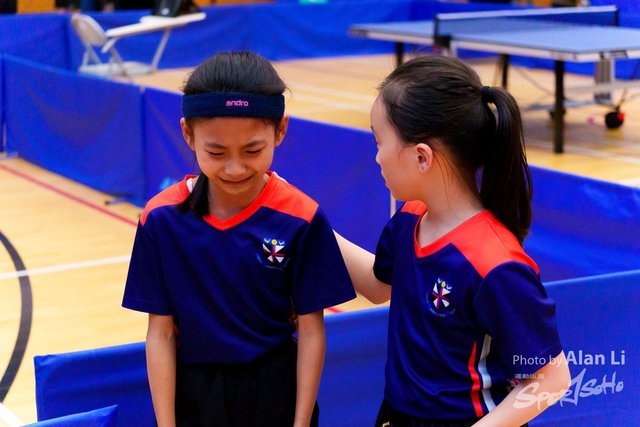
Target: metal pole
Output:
[
  {"x": 399, "y": 54},
  {"x": 504, "y": 58},
  {"x": 558, "y": 125}
]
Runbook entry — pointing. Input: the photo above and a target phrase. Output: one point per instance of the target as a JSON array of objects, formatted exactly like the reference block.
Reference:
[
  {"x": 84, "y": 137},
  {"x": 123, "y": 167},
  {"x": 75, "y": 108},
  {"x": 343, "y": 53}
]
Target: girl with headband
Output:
[
  {"x": 228, "y": 265},
  {"x": 472, "y": 333}
]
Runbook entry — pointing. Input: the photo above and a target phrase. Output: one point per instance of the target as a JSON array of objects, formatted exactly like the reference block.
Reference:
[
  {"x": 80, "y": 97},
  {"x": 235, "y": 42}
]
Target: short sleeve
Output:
[
  {"x": 320, "y": 276},
  {"x": 383, "y": 265},
  {"x": 145, "y": 289},
  {"x": 513, "y": 308}
]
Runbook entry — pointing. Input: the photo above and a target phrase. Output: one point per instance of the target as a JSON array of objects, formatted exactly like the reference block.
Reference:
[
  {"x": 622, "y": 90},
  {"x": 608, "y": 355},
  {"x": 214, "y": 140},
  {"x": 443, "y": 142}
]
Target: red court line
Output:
[
  {"x": 333, "y": 310},
  {"x": 67, "y": 195}
]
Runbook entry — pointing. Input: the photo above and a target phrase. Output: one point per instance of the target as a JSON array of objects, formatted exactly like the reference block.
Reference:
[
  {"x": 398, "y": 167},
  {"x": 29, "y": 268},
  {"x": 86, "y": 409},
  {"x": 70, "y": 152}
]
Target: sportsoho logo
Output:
[{"x": 581, "y": 386}]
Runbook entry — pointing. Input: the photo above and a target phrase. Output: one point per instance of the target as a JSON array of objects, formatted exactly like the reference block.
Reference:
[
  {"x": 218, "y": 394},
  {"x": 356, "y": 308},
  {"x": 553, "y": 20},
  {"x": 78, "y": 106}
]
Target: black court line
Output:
[{"x": 26, "y": 315}]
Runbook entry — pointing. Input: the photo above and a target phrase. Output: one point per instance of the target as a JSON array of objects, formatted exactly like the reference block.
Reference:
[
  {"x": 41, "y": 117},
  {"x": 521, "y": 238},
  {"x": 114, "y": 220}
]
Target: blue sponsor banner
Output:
[
  {"x": 593, "y": 315},
  {"x": 168, "y": 158},
  {"x": 581, "y": 226},
  {"x": 84, "y": 128},
  {"x": 40, "y": 37}
]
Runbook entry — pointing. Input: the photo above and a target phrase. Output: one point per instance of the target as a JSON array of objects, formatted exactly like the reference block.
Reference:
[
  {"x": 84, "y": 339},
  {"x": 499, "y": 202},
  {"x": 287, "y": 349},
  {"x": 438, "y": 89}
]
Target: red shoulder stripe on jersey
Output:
[
  {"x": 415, "y": 207},
  {"x": 475, "y": 379},
  {"x": 172, "y": 195},
  {"x": 418, "y": 208},
  {"x": 487, "y": 243},
  {"x": 290, "y": 200}
]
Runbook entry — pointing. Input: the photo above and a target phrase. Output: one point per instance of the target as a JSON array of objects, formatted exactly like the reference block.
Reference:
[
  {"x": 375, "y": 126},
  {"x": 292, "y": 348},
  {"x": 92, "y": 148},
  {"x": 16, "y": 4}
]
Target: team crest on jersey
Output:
[
  {"x": 274, "y": 250},
  {"x": 439, "y": 299}
]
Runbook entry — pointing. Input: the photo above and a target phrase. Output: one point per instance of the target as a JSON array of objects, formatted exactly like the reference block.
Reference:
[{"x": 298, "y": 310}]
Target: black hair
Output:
[
  {"x": 440, "y": 101},
  {"x": 244, "y": 72}
]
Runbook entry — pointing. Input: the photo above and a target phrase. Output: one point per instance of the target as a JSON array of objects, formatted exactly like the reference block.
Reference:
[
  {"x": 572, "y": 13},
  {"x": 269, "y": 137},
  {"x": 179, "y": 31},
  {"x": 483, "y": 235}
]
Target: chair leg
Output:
[
  {"x": 91, "y": 54},
  {"x": 160, "y": 50},
  {"x": 109, "y": 68},
  {"x": 115, "y": 56}
]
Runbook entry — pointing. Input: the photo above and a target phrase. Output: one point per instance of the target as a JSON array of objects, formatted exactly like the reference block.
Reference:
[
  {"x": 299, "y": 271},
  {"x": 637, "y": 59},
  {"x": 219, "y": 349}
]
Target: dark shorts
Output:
[
  {"x": 389, "y": 417},
  {"x": 261, "y": 393}
]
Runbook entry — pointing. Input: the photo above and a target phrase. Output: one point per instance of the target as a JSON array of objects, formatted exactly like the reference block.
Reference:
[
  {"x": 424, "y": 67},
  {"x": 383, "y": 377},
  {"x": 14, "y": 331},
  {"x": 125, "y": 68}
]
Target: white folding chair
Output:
[{"x": 91, "y": 34}]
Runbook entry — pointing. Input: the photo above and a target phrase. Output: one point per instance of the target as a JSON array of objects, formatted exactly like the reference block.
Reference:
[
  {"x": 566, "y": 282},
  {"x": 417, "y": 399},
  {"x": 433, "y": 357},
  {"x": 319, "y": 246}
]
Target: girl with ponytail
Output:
[{"x": 472, "y": 332}]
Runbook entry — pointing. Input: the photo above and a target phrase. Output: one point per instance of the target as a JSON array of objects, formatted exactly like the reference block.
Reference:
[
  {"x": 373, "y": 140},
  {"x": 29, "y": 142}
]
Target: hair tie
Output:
[
  {"x": 486, "y": 94},
  {"x": 232, "y": 104}
]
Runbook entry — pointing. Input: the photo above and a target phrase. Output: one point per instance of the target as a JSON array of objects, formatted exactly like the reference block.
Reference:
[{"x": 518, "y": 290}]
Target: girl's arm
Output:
[
  {"x": 161, "y": 367},
  {"x": 311, "y": 351},
  {"x": 360, "y": 265},
  {"x": 531, "y": 396}
]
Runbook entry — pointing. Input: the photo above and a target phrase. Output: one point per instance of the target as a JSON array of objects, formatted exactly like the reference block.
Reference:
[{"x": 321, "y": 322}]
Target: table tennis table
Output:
[{"x": 576, "y": 34}]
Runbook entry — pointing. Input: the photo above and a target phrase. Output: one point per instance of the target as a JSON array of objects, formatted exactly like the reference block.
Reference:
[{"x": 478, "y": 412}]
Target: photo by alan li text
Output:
[{"x": 581, "y": 386}]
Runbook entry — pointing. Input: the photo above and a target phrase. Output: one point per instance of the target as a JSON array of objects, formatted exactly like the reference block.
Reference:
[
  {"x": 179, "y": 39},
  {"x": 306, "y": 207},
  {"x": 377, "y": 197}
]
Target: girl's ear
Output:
[
  {"x": 281, "y": 131},
  {"x": 424, "y": 156},
  {"x": 187, "y": 133}
]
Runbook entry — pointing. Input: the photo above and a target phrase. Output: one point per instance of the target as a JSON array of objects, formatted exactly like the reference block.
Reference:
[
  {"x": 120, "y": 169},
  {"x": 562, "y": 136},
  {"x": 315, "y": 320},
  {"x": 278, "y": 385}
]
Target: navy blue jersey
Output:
[
  {"x": 468, "y": 316},
  {"x": 235, "y": 287}
]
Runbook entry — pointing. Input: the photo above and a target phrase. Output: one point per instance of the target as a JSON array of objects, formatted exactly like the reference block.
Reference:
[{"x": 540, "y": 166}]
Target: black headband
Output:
[{"x": 233, "y": 104}]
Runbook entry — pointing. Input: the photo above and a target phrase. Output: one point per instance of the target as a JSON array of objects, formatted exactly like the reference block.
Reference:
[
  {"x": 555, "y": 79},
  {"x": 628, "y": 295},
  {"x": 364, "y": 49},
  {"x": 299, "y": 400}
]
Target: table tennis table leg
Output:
[
  {"x": 399, "y": 54},
  {"x": 558, "y": 116}
]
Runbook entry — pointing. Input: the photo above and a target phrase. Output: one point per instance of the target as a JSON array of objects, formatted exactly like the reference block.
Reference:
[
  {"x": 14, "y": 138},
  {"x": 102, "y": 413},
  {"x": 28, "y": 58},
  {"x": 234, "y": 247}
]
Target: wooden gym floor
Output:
[{"x": 65, "y": 253}]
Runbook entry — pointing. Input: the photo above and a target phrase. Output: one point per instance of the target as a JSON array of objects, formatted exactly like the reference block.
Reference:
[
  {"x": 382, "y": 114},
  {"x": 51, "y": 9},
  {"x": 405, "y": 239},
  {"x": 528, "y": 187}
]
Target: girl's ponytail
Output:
[{"x": 506, "y": 188}]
